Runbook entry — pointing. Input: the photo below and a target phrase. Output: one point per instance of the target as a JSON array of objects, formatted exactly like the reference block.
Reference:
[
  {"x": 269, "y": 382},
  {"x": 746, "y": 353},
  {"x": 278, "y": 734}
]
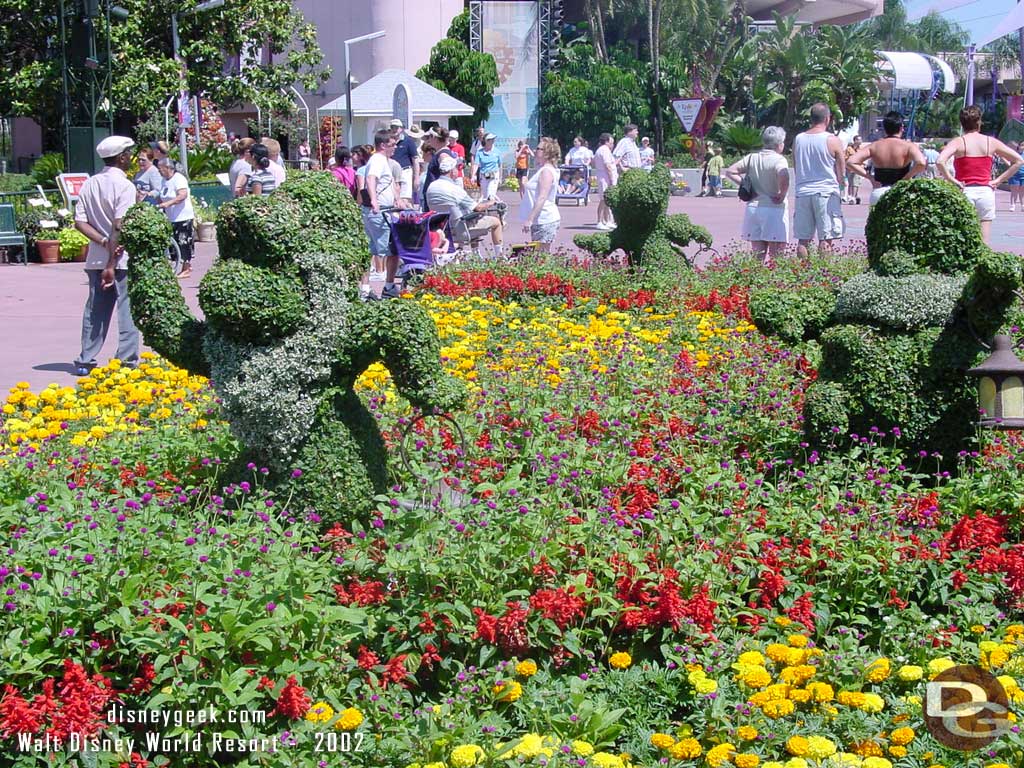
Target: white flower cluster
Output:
[
  {"x": 270, "y": 393},
  {"x": 900, "y": 303}
]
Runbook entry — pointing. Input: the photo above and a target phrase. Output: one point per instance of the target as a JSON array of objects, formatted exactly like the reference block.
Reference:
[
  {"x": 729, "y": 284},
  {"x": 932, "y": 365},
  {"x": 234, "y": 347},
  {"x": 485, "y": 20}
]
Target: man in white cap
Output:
[
  {"x": 487, "y": 167},
  {"x": 445, "y": 196},
  {"x": 460, "y": 152},
  {"x": 102, "y": 204},
  {"x": 407, "y": 155}
]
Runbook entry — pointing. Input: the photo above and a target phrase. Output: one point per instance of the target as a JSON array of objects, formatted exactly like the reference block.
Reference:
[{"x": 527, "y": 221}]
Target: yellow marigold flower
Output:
[
  {"x": 620, "y": 660},
  {"x": 706, "y": 686},
  {"x": 773, "y": 764},
  {"x": 783, "y": 621},
  {"x": 466, "y": 755},
  {"x": 873, "y": 703},
  {"x": 818, "y": 747},
  {"x": 851, "y": 699},
  {"x": 753, "y": 658},
  {"x": 796, "y": 656},
  {"x": 797, "y": 641},
  {"x": 897, "y": 751},
  {"x": 977, "y": 629},
  {"x": 510, "y": 691},
  {"x": 876, "y": 762},
  {"x": 796, "y": 762},
  {"x": 997, "y": 765},
  {"x": 1014, "y": 633},
  {"x": 878, "y": 670},
  {"x": 529, "y": 745},
  {"x": 846, "y": 760},
  {"x": 797, "y": 745},
  {"x": 320, "y": 712},
  {"x": 756, "y": 677},
  {"x": 607, "y": 760},
  {"x": 720, "y": 755},
  {"x": 867, "y": 748},
  {"x": 662, "y": 740},
  {"x": 746, "y": 733},
  {"x": 910, "y": 673},
  {"x": 901, "y": 736},
  {"x": 350, "y": 719},
  {"x": 821, "y": 692},
  {"x": 526, "y": 668},
  {"x": 582, "y": 748},
  {"x": 938, "y": 666},
  {"x": 798, "y": 675},
  {"x": 746, "y": 760},
  {"x": 686, "y": 749},
  {"x": 437, "y": 764},
  {"x": 800, "y": 696},
  {"x": 777, "y": 652},
  {"x": 777, "y": 709}
]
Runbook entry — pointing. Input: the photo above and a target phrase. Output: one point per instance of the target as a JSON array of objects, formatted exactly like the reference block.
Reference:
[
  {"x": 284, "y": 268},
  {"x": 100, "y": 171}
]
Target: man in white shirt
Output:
[
  {"x": 276, "y": 165},
  {"x": 607, "y": 172},
  {"x": 446, "y": 196},
  {"x": 646, "y": 154},
  {"x": 102, "y": 204},
  {"x": 381, "y": 191},
  {"x": 820, "y": 168},
  {"x": 580, "y": 154},
  {"x": 627, "y": 153}
]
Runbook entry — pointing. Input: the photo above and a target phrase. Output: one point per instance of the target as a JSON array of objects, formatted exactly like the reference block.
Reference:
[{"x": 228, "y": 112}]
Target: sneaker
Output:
[
  {"x": 391, "y": 293},
  {"x": 1014, "y": 208},
  {"x": 82, "y": 370},
  {"x": 858, "y": 200},
  {"x": 377, "y": 275}
]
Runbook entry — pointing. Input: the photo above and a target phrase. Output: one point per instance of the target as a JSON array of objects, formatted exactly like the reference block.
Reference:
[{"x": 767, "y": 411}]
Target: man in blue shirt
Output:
[{"x": 406, "y": 155}]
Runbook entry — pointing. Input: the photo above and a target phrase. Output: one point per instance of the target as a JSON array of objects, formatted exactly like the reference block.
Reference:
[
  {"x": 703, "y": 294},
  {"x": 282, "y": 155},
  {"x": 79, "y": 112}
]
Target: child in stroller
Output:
[{"x": 419, "y": 240}]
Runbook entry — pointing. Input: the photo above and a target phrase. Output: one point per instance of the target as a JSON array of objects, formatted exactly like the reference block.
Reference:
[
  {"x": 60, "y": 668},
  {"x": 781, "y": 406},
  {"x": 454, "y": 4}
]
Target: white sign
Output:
[{"x": 687, "y": 110}]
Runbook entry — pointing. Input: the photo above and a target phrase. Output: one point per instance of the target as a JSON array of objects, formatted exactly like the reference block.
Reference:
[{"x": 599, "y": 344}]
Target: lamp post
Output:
[
  {"x": 209, "y": 5},
  {"x": 348, "y": 81},
  {"x": 1001, "y": 387}
]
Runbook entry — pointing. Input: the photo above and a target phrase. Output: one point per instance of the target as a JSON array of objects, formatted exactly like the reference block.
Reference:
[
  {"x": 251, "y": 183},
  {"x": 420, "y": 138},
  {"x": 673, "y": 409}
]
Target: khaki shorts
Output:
[
  {"x": 819, "y": 213},
  {"x": 984, "y": 201},
  {"x": 479, "y": 229}
]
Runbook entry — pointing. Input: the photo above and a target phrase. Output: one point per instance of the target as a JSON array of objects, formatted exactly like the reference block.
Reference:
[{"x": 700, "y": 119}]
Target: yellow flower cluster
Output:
[
  {"x": 531, "y": 745},
  {"x": 508, "y": 692},
  {"x": 527, "y": 668},
  {"x": 620, "y": 660},
  {"x": 546, "y": 344},
  {"x": 110, "y": 399}
]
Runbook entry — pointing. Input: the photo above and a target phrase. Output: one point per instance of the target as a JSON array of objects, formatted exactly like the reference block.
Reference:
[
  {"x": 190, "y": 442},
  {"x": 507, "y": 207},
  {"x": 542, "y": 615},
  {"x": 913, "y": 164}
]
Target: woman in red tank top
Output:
[{"x": 972, "y": 156}]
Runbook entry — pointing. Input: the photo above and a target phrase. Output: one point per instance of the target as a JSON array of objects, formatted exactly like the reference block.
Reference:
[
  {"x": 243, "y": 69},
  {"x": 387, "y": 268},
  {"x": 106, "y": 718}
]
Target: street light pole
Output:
[
  {"x": 348, "y": 81},
  {"x": 183, "y": 94}
]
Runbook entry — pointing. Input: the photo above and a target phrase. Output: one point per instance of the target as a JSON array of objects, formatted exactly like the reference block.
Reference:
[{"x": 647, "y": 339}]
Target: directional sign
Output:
[{"x": 687, "y": 111}]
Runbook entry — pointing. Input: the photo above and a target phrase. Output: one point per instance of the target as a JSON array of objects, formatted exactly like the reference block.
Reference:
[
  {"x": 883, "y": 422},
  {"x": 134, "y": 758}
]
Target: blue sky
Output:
[{"x": 975, "y": 17}]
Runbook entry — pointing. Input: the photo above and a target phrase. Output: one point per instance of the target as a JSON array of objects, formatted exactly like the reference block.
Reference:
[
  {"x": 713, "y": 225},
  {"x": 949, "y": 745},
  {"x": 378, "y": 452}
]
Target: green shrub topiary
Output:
[
  {"x": 648, "y": 236},
  {"x": 902, "y": 303},
  {"x": 284, "y": 342},
  {"x": 929, "y": 218},
  {"x": 793, "y": 316}
]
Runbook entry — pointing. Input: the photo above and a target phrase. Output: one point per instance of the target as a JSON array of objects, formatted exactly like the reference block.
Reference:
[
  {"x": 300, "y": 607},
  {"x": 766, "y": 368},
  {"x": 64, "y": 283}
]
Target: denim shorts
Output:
[
  {"x": 377, "y": 232},
  {"x": 544, "y": 233}
]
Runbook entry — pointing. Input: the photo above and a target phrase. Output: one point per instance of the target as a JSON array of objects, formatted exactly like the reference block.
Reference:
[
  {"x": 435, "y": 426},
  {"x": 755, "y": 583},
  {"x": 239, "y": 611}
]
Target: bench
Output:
[{"x": 9, "y": 235}]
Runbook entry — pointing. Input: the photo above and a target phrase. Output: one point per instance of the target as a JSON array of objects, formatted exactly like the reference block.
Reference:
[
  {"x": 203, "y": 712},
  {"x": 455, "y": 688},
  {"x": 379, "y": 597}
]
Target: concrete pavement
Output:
[{"x": 41, "y": 305}]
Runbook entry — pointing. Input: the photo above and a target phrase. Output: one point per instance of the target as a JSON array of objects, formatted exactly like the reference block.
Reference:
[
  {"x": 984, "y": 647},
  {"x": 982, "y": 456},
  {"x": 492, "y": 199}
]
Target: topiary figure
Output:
[
  {"x": 643, "y": 230},
  {"x": 897, "y": 340},
  {"x": 285, "y": 339}
]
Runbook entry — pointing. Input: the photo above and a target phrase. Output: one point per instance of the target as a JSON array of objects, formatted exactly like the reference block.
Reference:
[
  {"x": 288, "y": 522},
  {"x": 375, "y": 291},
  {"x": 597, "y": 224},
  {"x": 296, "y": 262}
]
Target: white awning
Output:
[
  {"x": 910, "y": 71},
  {"x": 948, "y": 78},
  {"x": 374, "y": 98}
]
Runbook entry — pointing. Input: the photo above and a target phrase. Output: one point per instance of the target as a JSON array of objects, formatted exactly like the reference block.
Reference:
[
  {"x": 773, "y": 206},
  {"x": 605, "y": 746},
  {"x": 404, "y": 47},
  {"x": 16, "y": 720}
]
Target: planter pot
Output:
[
  {"x": 49, "y": 251},
  {"x": 82, "y": 253},
  {"x": 206, "y": 232},
  {"x": 679, "y": 192}
]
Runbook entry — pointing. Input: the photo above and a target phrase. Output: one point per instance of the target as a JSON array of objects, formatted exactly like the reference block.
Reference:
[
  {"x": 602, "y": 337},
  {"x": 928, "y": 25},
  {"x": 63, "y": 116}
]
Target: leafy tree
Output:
[
  {"x": 469, "y": 76},
  {"x": 281, "y": 45},
  {"x": 845, "y": 61}
]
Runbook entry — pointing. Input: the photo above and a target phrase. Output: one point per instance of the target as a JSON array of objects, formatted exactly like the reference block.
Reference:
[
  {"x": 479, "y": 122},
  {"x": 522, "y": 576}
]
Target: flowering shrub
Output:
[{"x": 620, "y": 554}]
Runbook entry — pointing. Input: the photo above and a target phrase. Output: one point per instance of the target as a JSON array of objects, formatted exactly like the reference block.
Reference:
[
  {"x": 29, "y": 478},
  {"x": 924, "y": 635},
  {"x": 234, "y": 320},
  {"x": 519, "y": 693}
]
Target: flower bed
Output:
[{"x": 623, "y": 556}]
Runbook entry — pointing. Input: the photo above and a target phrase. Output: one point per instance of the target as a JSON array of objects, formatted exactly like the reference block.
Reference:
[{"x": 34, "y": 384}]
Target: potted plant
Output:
[
  {"x": 206, "y": 215},
  {"x": 680, "y": 187},
  {"x": 73, "y": 244},
  {"x": 40, "y": 225}
]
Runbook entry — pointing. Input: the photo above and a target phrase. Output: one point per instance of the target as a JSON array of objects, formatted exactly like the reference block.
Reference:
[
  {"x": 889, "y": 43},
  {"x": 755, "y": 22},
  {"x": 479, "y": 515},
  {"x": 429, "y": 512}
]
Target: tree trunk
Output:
[
  {"x": 594, "y": 16},
  {"x": 654, "y": 38}
]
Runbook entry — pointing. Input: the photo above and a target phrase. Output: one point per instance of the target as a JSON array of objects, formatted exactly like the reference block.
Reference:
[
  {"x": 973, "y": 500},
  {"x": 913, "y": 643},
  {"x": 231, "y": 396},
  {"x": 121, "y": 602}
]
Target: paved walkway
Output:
[{"x": 41, "y": 305}]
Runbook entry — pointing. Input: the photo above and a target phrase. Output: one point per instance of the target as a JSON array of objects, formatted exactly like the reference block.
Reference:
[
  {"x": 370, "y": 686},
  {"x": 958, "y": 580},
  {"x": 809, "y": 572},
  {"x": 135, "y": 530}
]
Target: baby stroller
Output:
[
  {"x": 410, "y": 240},
  {"x": 573, "y": 184}
]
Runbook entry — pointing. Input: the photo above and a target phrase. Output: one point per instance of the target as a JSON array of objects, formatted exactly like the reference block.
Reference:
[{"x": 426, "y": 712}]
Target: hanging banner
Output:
[
  {"x": 184, "y": 111},
  {"x": 1015, "y": 107},
  {"x": 511, "y": 34},
  {"x": 401, "y": 104}
]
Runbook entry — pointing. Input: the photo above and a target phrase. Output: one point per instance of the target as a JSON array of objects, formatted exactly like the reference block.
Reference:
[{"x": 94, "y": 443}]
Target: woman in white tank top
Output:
[{"x": 538, "y": 211}]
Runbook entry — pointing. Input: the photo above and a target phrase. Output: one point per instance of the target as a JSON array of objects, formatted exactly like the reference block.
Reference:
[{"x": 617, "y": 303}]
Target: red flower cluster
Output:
[
  {"x": 74, "y": 706},
  {"x": 735, "y": 301},
  {"x": 560, "y": 605},
  {"x": 478, "y": 282},
  {"x": 650, "y": 605},
  {"x": 360, "y": 593},
  {"x": 293, "y": 702},
  {"x": 507, "y": 632}
]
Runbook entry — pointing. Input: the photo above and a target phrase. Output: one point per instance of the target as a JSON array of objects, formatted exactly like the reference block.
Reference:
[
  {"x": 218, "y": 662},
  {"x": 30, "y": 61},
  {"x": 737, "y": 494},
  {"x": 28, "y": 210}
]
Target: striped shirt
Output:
[{"x": 263, "y": 177}]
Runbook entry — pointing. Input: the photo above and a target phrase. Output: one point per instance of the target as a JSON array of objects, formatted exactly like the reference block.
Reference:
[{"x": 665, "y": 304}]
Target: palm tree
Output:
[
  {"x": 846, "y": 61},
  {"x": 788, "y": 67}
]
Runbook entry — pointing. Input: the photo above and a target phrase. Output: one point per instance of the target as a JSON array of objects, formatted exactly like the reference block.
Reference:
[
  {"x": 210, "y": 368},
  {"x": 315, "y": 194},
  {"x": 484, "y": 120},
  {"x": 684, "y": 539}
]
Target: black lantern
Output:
[{"x": 1001, "y": 387}]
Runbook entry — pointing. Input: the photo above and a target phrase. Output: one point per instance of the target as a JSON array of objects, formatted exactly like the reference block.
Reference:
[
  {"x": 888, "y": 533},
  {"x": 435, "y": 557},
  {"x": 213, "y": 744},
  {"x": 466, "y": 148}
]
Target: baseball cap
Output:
[
  {"x": 453, "y": 134},
  {"x": 447, "y": 163},
  {"x": 396, "y": 123},
  {"x": 112, "y": 146},
  {"x": 489, "y": 137}
]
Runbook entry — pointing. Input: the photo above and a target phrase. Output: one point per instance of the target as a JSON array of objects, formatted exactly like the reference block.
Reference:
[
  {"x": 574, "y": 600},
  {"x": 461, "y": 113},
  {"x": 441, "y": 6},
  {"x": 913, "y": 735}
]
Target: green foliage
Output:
[
  {"x": 71, "y": 243},
  {"x": 469, "y": 76},
  {"x": 46, "y": 169},
  {"x": 584, "y": 97},
  {"x": 795, "y": 315},
  {"x": 158, "y": 308},
  {"x": 264, "y": 231},
  {"x": 648, "y": 237},
  {"x": 897, "y": 263},
  {"x": 17, "y": 182},
  {"x": 930, "y": 219},
  {"x": 39, "y": 223},
  {"x": 902, "y": 303},
  {"x": 251, "y": 305},
  {"x": 739, "y": 138},
  {"x": 206, "y": 162}
]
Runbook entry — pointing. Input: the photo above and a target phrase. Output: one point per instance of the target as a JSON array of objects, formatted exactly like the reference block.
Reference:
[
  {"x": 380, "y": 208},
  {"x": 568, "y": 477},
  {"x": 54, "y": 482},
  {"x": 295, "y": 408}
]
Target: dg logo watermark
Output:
[{"x": 965, "y": 708}]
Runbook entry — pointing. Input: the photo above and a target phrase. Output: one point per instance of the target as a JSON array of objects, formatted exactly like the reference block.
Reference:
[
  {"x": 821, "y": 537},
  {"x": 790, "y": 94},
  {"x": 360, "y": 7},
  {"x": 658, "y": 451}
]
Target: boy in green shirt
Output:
[{"x": 715, "y": 174}]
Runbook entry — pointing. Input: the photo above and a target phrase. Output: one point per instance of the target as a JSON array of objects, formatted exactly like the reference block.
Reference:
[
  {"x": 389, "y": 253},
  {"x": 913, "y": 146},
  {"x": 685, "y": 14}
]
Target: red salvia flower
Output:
[{"x": 293, "y": 702}]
